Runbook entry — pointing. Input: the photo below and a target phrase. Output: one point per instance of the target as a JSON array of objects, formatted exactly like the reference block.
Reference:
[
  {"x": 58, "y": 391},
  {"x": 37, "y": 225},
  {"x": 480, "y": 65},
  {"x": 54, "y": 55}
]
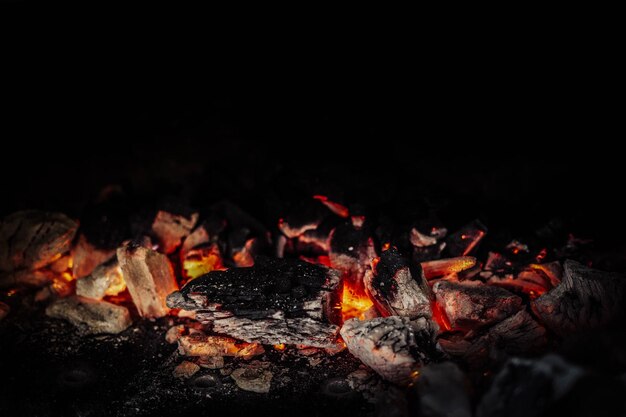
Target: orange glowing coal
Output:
[
  {"x": 201, "y": 261},
  {"x": 280, "y": 347},
  {"x": 354, "y": 302}
]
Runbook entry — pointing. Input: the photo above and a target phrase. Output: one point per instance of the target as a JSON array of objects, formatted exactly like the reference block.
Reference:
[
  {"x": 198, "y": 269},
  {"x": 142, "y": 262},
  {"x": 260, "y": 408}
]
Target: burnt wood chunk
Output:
[
  {"x": 466, "y": 240},
  {"x": 149, "y": 278},
  {"x": 199, "y": 344},
  {"x": 269, "y": 331},
  {"x": 442, "y": 267},
  {"x": 106, "y": 279},
  {"x": 398, "y": 288},
  {"x": 91, "y": 316},
  {"x": 469, "y": 306},
  {"x": 586, "y": 298},
  {"x": 33, "y": 239},
  {"x": 392, "y": 346},
  {"x": 351, "y": 251},
  {"x": 294, "y": 288},
  {"x": 170, "y": 229},
  {"x": 87, "y": 256}
]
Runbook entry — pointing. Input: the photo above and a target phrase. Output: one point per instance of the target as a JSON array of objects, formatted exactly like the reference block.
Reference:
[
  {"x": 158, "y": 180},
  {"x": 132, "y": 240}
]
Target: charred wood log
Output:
[
  {"x": 149, "y": 278},
  {"x": 586, "y": 298},
  {"x": 91, "y": 316},
  {"x": 398, "y": 288},
  {"x": 472, "y": 305},
  {"x": 392, "y": 346},
  {"x": 33, "y": 239}
]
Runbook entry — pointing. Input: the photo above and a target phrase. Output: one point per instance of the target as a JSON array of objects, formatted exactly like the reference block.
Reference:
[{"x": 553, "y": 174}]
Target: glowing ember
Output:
[
  {"x": 336, "y": 208},
  {"x": 354, "y": 302},
  {"x": 244, "y": 258},
  {"x": 118, "y": 285},
  {"x": 280, "y": 347},
  {"x": 386, "y": 246},
  {"x": 440, "y": 317},
  {"x": 201, "y": 261}
]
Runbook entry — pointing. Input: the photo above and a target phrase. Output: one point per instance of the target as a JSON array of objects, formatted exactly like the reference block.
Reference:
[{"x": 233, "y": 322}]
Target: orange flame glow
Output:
[
  {"x": 354, "y": 302},
  {"x": 440, "y": 317},
  {"x": 280, "y": 347},
  {"x": 201, "y": 261}
]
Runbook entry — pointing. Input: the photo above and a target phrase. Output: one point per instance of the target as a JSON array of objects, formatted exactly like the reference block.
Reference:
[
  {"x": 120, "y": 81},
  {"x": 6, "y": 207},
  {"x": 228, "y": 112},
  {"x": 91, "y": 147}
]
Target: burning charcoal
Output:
[
  {"x": 393, "y": 346},
  {"x": 253, "y": 379},
  {"x": 339, "y": 209},
  {"x": 199, "y": 344},
  {"x": 553, "y": 271},
  {"x": 170, "y": 229},
  {"x": 211, "y": 362},
  {"x": 419, "y": 240},
  {"x": 468, "y": 306},
  {"x": 586, "y": 298},
  {"x": 351, "y": 251},
  {"x": 297, "y": 289},
  {"x": 37, "y": 278},
  {"x": 314, "y": 241},
  {"x": 91, "y": 316},
  {"x": 442, "y": 267},
  {"x": 149, "y": 278},
  {"x": 33, "y": 239},
  {"x": 273, "y": 331},
  {"x": 300, "y": 220},
  {"x": 174, "y": 333},
  {"x": 398, "y": 289},
  {"x": 4, "y": 310},
  {"x": 185, "y": 370},
  {"x": 529, "y": 387},
  {"x": 201, "y": 260},
  {"x": 86, "y": 257},
  {"x": 244, "y": 257},
  {"x": 106, "y": 279},
  {"x": 442, "y": 391},
  {"x": 425, "y": 247},
  {"x": 464, "y": 241},
  {"x": 63, "y": 264},
  {"x": 527, "y": 281}
]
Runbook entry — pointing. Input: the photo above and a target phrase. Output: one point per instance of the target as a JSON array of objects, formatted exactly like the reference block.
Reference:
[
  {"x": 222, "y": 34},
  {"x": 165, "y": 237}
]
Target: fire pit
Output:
[{"x": 241, "y": 286}]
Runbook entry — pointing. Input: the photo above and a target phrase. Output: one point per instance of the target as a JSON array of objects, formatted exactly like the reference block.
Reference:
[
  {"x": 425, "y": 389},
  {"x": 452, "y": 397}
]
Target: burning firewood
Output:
[
  {"x": 299, "y": 289},
  {"x": 399, "y": 290},
  {"x": 393, "y": 346},
  {"x": 171, "y": 228},
  {"x": 87, "y": 256},
  {"x": 149, "y": 278},
  {"x": 91, "y": 316},
  {"x": 273, "y": 331},
  {"x": 275, "y": 301},
  {"x": 586, "y": 298},
  {"x": 106, "y": 279},
  {"x": 469, "y": 305},
  {"x": 33, "y": 239},
  {"x": 442, "y": 267}
]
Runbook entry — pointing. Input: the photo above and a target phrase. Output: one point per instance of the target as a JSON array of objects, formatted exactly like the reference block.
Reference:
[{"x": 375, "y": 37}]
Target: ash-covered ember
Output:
[{"x": 91, "y": 316}]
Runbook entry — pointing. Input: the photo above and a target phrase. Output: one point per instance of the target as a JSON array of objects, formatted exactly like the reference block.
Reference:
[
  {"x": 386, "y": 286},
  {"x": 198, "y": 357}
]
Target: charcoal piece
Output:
[
  {"x": 274, "y": 331},
  {"x": 91, "y": 316},
  {"x": 293, "y": 287},
  {"x": 28, "y": 278},
  {"x": 171, "y": 228},
  {"x": 253, "y": 378},
  {"x": 199, "y": 344},
  {"x": 306, "y": 217},
  {"x": 466, "y": 240},
  {"x": 398, "y": 288},
  {"x": 442, "y": 390},
  {"x": 86, "y": 257},
  {"x": 149, "y": 278},
  {"x": 442, "y": 267},
  {"x": 553, "y": 271},
  {"x": 185, "y": 370},
  {"x": 528, "y": 387},
  {"x": 337, "y": 208},
  {"x": 106, "y": 279},
  {"x": 586, "y": 298},
  {"x": 392, "y": 346},
  {"x": 527, "y": 281},
  {"x": 469, "y": 306},
  {"x": 207, "y": 232},
  {"x": 33, "y": 239}
]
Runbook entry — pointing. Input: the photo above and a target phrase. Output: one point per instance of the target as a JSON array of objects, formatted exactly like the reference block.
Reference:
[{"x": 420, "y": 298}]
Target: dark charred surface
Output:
[{"x": 270, "y": 285}]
